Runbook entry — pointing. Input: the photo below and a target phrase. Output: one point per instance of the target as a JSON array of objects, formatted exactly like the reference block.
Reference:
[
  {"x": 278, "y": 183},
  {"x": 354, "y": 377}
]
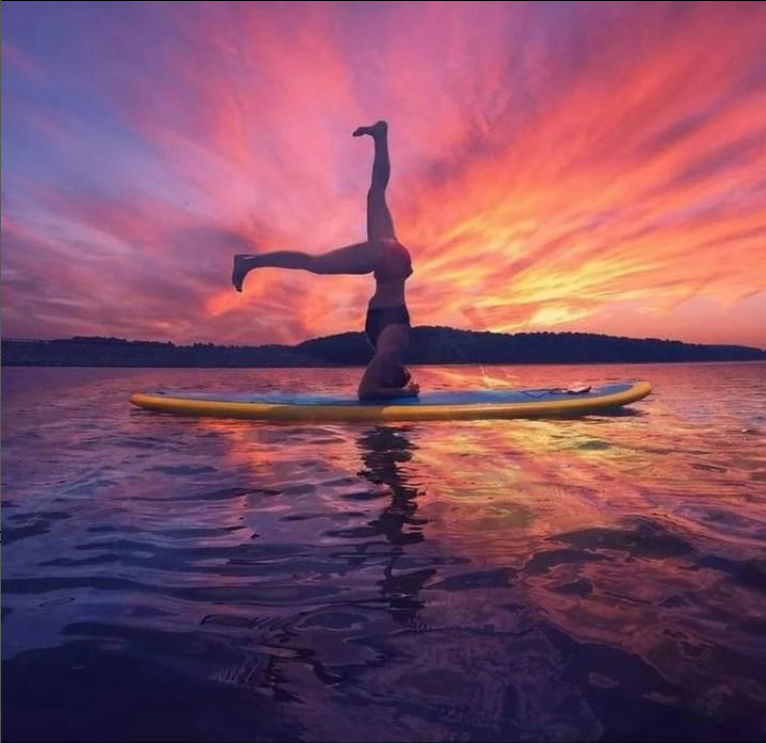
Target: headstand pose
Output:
[{"x": 388, "y": 321}]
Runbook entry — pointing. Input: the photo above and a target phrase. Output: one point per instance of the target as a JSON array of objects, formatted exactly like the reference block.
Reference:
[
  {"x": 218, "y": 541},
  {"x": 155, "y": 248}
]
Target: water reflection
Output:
[
  {"x": 599, "y": 578},
  {"x": 386, "y": 451}
]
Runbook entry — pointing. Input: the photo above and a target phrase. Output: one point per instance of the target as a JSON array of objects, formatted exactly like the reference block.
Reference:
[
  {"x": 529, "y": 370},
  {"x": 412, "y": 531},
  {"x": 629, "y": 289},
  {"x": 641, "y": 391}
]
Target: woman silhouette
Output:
[{"x": 388, "y": 321}]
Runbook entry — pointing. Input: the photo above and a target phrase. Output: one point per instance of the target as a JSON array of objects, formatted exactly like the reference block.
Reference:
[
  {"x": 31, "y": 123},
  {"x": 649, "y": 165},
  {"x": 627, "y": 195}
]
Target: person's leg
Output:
[
  {"x": 380, "y": 225},
  {"x": 352, "y": 259}
]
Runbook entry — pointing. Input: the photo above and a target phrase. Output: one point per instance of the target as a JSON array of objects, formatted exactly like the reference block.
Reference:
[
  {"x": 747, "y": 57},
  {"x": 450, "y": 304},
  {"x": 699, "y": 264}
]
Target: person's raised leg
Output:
[
  {"x": 244, "y": 263},
  {"x": 380, "y": 224},
  {"x": 359, "y": 258}
]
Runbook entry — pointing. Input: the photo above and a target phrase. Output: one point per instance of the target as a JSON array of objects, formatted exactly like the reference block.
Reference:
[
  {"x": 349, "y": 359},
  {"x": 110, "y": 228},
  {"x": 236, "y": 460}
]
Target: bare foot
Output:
[
  {"x": 240, "y": 270},
  {"x": 378, "y": 129}
]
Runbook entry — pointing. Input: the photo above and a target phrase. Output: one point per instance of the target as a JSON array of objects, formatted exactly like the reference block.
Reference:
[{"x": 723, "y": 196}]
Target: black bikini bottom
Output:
[{"x": 379, "y": 317}]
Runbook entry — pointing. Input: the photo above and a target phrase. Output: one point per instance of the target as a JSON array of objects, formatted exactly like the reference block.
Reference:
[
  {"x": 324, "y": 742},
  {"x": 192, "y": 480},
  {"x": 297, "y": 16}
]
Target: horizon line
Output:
[{"x": 352, "y": 332}]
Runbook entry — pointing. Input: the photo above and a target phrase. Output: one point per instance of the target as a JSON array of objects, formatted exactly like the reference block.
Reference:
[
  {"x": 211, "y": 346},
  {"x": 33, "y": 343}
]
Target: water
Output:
[{"x": 178, "y": 578}]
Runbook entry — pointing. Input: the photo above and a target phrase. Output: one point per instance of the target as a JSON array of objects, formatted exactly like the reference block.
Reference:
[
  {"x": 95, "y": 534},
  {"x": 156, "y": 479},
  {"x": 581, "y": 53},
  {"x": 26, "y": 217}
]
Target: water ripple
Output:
[{"x": 582, "y": 579}]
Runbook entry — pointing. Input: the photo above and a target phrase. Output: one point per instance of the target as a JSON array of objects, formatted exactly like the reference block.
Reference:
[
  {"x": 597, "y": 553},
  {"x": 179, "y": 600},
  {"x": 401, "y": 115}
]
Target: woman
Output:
[{"x": 388, "y": 321}]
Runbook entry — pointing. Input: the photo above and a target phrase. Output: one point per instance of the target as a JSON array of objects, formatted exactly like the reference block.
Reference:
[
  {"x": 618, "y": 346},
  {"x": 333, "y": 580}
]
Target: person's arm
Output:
[{"x": 377, "y": 393}]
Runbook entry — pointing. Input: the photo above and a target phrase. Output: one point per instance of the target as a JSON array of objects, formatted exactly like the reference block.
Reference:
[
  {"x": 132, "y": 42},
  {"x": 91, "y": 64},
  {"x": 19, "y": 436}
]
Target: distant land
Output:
[{"x": 429, "y": 345}]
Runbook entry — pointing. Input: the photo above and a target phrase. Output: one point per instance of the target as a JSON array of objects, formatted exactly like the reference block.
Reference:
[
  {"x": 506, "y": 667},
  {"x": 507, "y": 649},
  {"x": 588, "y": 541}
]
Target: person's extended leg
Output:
[
  {"x": 351, "y": 259},
  {"x": 380, "y": 225}
]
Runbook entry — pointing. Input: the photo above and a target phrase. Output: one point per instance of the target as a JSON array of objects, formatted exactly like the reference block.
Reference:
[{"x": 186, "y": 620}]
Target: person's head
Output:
[
  {"x": 398, "y": 377},
  {"x": 392, "y": 343}
]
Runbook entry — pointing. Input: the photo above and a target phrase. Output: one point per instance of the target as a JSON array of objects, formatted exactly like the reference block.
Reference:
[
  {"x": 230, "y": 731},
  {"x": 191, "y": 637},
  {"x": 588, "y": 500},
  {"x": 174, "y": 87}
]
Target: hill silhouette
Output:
[{"x": 430, "y": 345}]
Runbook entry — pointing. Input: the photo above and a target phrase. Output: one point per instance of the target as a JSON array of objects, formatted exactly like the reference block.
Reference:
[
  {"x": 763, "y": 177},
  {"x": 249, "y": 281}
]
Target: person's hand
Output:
[{"x": 413, "y": 388}]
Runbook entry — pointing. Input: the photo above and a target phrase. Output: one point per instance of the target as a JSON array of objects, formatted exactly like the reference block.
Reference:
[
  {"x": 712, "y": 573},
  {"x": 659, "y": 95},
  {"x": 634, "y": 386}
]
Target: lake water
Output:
[{"x": 192, "y": 579}]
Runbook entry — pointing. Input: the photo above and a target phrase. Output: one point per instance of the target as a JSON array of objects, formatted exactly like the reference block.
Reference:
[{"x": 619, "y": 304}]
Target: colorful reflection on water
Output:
[{"x": 597, "y": 578}]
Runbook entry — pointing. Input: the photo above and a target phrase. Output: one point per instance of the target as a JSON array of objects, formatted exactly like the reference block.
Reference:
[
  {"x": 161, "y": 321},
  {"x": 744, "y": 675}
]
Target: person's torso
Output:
[
  {"x": 388, "y": 293},
  {"x": 394, "y": 270}
]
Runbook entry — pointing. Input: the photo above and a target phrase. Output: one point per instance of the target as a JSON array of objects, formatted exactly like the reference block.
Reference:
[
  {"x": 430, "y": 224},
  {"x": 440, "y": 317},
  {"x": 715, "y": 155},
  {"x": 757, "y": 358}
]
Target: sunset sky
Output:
[{"x": 590, "y": 166}]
